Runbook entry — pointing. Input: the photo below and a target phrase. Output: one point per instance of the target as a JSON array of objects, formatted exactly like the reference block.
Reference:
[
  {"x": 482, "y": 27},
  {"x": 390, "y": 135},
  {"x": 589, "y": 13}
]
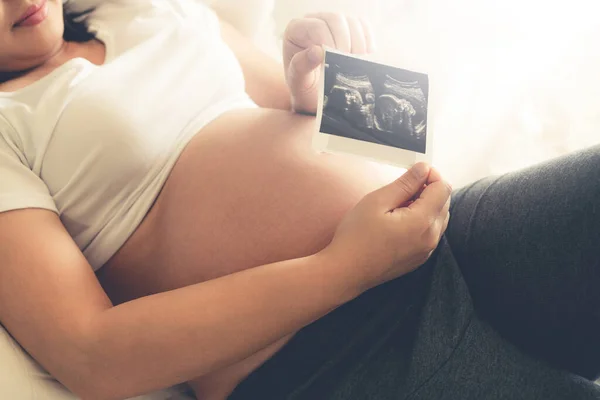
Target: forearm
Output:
[
  {"x": 173, "y": 337},
  {"x": 265, "y": 81}
]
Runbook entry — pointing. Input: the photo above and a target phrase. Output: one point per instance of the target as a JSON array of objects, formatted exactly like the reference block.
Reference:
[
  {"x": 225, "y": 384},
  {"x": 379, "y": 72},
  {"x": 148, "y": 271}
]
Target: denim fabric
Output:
[{"x": 508, "y": 307}]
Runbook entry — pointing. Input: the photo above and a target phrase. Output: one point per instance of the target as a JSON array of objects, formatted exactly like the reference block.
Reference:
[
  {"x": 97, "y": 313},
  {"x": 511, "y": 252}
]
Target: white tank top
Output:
[{"x": 96, "y": 143}]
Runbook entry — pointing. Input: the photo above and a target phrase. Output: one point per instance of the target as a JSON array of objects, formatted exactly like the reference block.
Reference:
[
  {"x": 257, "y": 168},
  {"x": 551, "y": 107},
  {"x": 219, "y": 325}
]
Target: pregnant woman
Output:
[{"x": 163, "y": 219}]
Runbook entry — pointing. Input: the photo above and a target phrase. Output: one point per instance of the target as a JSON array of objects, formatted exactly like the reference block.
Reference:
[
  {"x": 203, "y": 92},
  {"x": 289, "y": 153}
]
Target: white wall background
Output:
[{"x": 513, "y": 82}]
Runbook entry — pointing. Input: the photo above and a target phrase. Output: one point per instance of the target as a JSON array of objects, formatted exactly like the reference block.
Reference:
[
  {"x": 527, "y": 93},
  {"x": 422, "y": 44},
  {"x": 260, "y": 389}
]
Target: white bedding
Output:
[{"x": 21, "y": 378}]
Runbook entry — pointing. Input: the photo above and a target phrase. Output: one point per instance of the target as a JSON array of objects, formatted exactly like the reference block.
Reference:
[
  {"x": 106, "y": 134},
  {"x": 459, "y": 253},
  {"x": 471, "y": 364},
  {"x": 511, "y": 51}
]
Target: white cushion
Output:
[{"x": 21, "y": 378}]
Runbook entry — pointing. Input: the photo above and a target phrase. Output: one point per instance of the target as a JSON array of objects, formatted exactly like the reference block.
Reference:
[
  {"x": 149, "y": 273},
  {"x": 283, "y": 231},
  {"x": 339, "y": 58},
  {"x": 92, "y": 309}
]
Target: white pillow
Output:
[
  {"x": 249, "y": 17},
  {"x": 253, "y": 18},
  {"x": 21, "y": 378}
]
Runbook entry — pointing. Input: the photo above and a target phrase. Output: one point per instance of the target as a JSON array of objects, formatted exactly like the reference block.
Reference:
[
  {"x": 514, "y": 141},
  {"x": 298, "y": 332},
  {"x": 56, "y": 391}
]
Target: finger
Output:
[
  {"x": 357, "y": 35},
  {"x": 402, "y": 189},
  {"x": 340, "y": 31},
  {"x": 416, "y": 196},
  {"x": 434, "y": 176},
  {"x": 435, "y": 230},
  {"x": 307, "y": 32},
  {"x": 302, "y": 71},
  {"x": 445, "y": 224},
  {"x": 441, "y": 222},
  {"x": 446, "y": 207},
  {"x": 303, "y": 77},
  {"x": 433, "y": 199},
  {"x": 369, "y": 35}
]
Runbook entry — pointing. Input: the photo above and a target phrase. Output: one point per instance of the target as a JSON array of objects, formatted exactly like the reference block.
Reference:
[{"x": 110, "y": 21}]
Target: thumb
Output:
[
  {"x": 303, "y": 77},
  {"x": 404, "y": 188}
]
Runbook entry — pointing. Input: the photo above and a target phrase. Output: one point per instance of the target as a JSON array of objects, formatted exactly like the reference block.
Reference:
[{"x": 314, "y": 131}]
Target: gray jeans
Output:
[{"x": 507, "y": 308}]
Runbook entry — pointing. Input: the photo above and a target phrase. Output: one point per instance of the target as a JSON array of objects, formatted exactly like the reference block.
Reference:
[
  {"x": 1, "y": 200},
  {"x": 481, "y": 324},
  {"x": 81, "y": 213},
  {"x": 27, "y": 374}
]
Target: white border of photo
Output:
[{"x": 372, "y": 151}]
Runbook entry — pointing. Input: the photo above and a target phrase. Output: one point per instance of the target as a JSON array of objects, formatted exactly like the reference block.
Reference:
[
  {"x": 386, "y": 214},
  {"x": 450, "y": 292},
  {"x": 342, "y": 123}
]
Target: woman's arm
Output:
[
  {"x": 52, "y": 303},
  {"x": 265, "y": 81}
]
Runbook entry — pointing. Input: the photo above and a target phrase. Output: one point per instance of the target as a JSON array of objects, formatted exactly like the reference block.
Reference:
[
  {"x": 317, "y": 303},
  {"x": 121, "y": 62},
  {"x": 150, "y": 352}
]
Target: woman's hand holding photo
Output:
[
  {"x": 393, "y": 230},
  {"x": 303, "y": 52}
]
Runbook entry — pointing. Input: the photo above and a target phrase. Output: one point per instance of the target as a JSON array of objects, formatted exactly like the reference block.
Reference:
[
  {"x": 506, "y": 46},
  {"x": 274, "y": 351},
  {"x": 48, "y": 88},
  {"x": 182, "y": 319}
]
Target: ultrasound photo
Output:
[{"x": 375, "y": 103}]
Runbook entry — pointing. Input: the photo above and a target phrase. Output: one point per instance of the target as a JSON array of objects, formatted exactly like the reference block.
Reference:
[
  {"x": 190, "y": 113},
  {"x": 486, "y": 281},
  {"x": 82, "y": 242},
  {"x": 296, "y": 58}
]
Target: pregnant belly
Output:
[{"x": 247, "y": 190}]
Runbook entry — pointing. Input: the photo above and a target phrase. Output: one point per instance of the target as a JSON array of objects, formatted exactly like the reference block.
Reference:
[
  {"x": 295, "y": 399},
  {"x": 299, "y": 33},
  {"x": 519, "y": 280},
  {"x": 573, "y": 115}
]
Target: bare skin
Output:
[{"x": 247, "y": 191}]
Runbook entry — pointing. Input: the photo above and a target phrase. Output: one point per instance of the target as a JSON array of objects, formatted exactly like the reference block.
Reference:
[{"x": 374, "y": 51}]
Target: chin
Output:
[
  {"x": 36, "y": 43},
  {"x": 52, "y": 28}
]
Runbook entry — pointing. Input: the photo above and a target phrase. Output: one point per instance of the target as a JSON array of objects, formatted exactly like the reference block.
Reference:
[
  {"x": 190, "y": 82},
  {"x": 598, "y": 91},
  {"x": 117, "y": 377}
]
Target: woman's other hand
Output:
[
  {"x": 393, "y": 230},
  {"x": 303, "y": 52}
]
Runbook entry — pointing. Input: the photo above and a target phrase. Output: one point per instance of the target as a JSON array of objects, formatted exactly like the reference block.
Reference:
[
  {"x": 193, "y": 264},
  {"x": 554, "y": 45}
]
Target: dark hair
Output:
[{"x": 76, "y": 30}]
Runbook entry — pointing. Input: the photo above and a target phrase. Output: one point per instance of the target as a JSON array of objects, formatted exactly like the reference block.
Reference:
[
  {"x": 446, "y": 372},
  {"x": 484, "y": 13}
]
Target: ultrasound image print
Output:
[{"x": 374, "y": 103}]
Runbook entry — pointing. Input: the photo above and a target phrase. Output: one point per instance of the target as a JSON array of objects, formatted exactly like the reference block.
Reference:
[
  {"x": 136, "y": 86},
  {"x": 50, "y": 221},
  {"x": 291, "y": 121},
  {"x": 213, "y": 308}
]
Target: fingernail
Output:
[
  {"x": 420, "y": 170},
  {"x": 314, "y": 54}
]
